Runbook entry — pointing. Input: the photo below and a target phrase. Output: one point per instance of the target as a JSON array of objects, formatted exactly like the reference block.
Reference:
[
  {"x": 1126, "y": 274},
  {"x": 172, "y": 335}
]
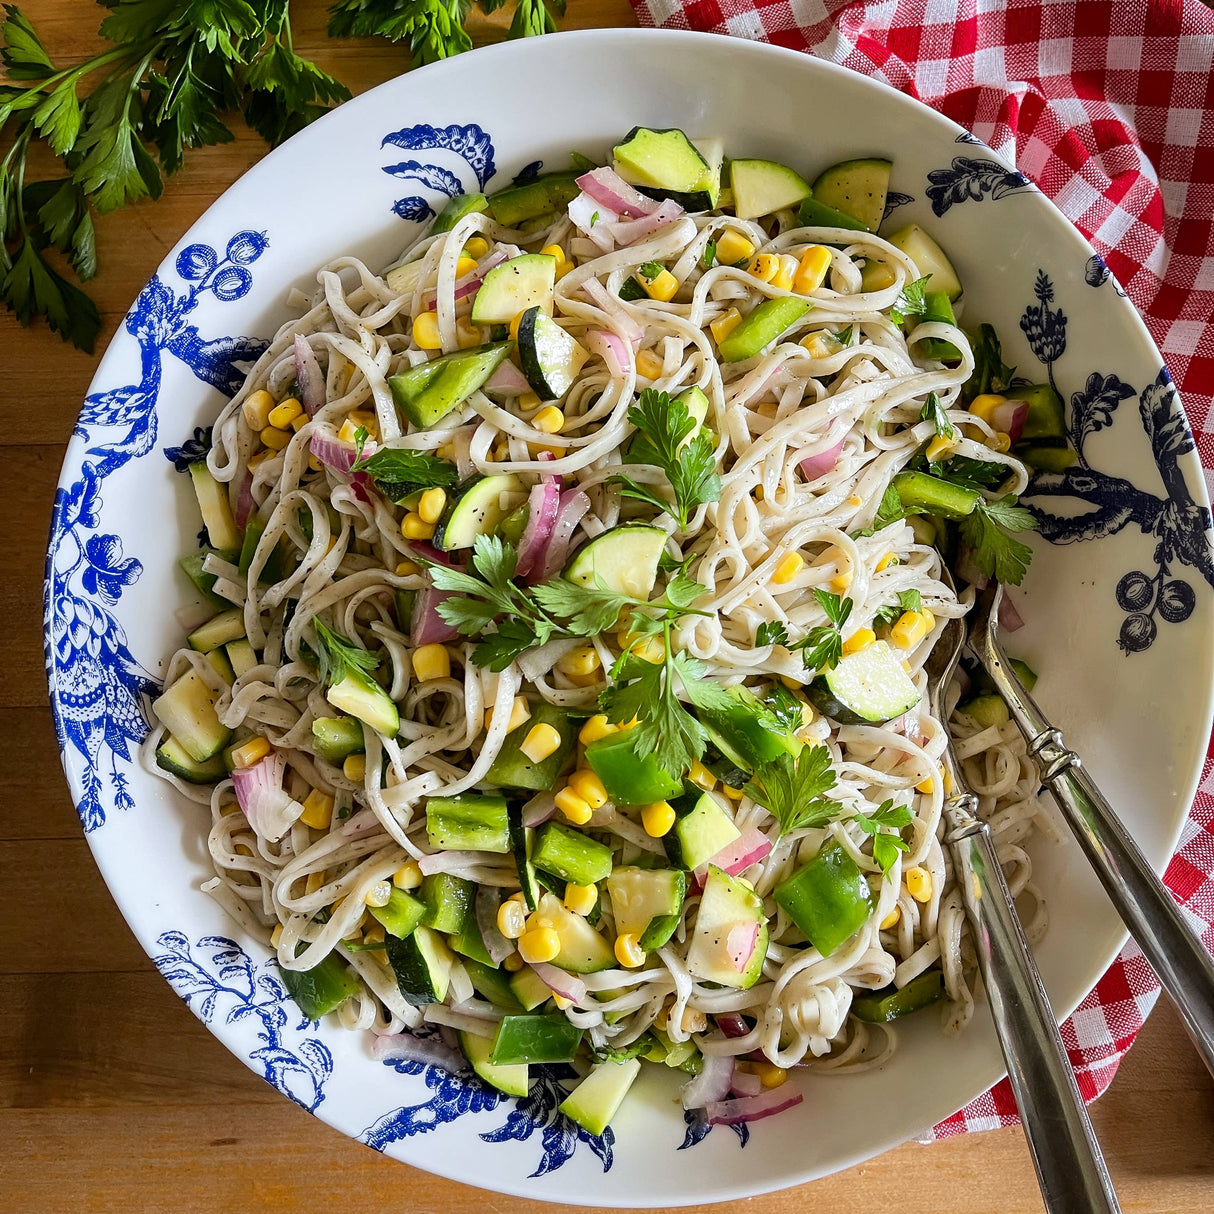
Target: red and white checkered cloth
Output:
[{"x": 1109, "y": 107}]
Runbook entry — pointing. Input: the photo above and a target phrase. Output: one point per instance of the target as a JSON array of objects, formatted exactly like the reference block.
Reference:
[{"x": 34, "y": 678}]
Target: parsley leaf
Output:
[
  {"x": 785, "y": 708},
  {"x": 911, "y": 301},
  {"x": 651, "y": 270},
  {"x": 843, "y": 337},
  {"x": 793, "y": 790},
  {"x": 399, "y": 472},
  {"x": 770, "y": 632},
  {"x": 991, "y": 373},
  {"x": 972, "y": 473},
  {"x": 988, "y": 532},
  {"x": 886, "y": 846},
  {"x": 934, "y": 412},
  {"x": 336, "y": 656},
  {"x": 822, "y": 647},
  {"x": 908, "y": 600},
  {"x": 709, "y": 255}
]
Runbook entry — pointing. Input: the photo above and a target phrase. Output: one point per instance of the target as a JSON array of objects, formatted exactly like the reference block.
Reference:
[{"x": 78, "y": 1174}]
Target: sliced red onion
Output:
[
  {"x": 496, "y": 945},
  {"x": 245, "y": 505},
  {"x": 1010, "y": 418},
  {"x": 731, "y": 1024},
  {"x": 740, "y": 944},
  {"x": 814, "y": 466},
  {"x": 508, "y": 380},
  {"x": 711, "y": 1084},
  {"x": 435, "y": 556},
  {"x": 736, "y": 857},
  {"x": 335, "y": 454},
  {"x": 752, "y": 1108},
  {"x": 564, "y": 984},
  {"x": 1009, "y": 618},
  {"x": 268, "y": 806},
  {"x": 745, "y": 1083},
  {"x": 309, "y": 376},
  {"x": 470, "y": 283},
  {"x": 574, "y": 505},
  {"x": 539, "y": 809},
  {"x": 429, "y": 1051},
  {"x": 602, "y": 298},
  {"x": 426, "y": 626},
  {"x": 602, "y": 818},
  {"x": 911, "y": 724},
  {"x": 612, "y": 349},
  {"x": 595, "y": 220},
  {"x": 967, "y": 569},
  {"x": 543, "y": 504},
  {"x": 607, "y": 187},
  {"x": 629, "y": 232}
]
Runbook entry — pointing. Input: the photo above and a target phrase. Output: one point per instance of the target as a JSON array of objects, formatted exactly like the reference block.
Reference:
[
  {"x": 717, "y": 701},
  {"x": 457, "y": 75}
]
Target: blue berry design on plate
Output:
[
  {"x": 97, "y": 687},
  {"x": 216, "y": 977},
  {"x": 468, "y": 143},
  {"x": 455, "y": 1096},
  {"x": 1180, "y": 527}
]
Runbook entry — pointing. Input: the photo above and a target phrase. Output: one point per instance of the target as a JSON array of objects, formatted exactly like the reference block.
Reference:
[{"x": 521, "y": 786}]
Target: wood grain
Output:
[{"x": 112, "y": 1096}]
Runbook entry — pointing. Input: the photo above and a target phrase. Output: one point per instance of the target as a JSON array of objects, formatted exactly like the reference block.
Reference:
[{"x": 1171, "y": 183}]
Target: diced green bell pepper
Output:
[{"x": 828, "y": 898}]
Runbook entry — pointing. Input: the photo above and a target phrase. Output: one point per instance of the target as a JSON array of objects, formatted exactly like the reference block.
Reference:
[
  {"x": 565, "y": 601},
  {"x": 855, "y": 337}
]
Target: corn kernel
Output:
[
  {"x": 549, "y": 419},
  {"x": 820, "y": 343},
  {"x": 406, "y": 568},
  {"x": 919, "y": 884},
  {"x": 563, "y": 264},
  {"x": 431, "y": 662},
  {"x": 298, "y": 423},
  {"x": 514, "y": 325},
  {"x": 938, "y": 448},
  {"x": 733, "y": 247},
  {"x": 648, "y": 649},
  {"x": 513, "y": 963},
  {"x": 886, "y": 561},
  {"x": 701, "y": 776},
  {"x": 811, "y": 270},
  {"x": 734, "y": 794},
  {"x": 261, "y": 456},
  {"x": 910, "y": 629},
  {"x": 597, "y": 727},
  {"x": 315, "y": 881},
  {"x": 764, "y": 267},
  {"x": 348, "y": 432},
  {"x": 256, "y": 409},
  {"x": 520, "y": 711},
  {"x": 573, "y": 807},
  {"x": 476, "y": 246},
  {"x": 414, "y": 527},
  {"x": 928, "y": 617},
  {"x": 541, "y": 741},
  {"x": 580, "y": 899},
  {"x": 318, "y": 810},
  {"x": 511, "y": 920},
  {"x": 561, "y": 1002},
  {"x": 276, "y": 935},
  {"x": 465, "y": 265},
  {"x": 425, "y": 331},
  {"x": 582, "y": 660},
  {"x": 355, "y": 768},
  {"x": 855, "y": 500},
  {"x": 380, "y": 894},
  {"x": 693, "y": 1020},
  {"x": 539, "y": 945},
  {"x": 841, "y": 581},
  {"x": 783, "y": 279},
  {"x": 926, "y": 786},
  {"x": 446, "y": 451},
  {"x": 984, "y": 406},
  {"x": 468, "y": 335},
  {"x": 649, "y": 364},
  {"x": 862, "y": 638},
  {"x": 250, "y": 753},
  {"x": 791, "y": 563},
  {"x": 283, "y": 414},
  {"x": 999, "y": 442},
  {"x": 628, "y": 951},
  {"x": 791, "y": 683},
  {"x": 408, "y": 876},
  {"x": 770, "y": 1075},
  {"x": 276, "y": 440},
  {"x": 431, "y": 505},
  {"x": 374, "y": 935},
  {"x": 891, "y": 920},
  {"x": 663, "y": 288},
  {"x": 725, "y": 324},
  {"x": 657, "y": 819},
  {"x": 589, "y": 787}
]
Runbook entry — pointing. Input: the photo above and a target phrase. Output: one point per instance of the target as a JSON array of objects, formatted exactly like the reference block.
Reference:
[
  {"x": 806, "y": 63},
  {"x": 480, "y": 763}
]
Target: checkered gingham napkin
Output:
[{"x": 1108, "y": 105}]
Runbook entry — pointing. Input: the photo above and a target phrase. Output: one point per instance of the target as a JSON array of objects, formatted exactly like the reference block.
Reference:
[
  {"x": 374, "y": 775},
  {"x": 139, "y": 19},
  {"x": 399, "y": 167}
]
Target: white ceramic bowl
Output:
[{"x": 1139, "y": 712}]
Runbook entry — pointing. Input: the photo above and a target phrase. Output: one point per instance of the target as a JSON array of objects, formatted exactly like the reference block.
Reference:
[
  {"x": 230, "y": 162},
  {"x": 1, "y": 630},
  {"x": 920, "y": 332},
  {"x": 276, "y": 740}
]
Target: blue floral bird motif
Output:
[
  {"x": 470, "y": 143},
  {"x": 969, "y": 179},
  {"x": 699, "y": 1127}
]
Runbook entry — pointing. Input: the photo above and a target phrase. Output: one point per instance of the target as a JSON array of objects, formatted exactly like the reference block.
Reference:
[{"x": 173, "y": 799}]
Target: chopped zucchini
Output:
[
  {"x": 551, "y": 359},
  {"x": 726, "y": 904},
  {"x": 929, "y": 257},
  {"x": 597, "y": 1099},
  {"x": 226, "y": 626},
  {"x": 187, "y": 711},
  {"x": 514, "y": 286},
  {"x": 513, "y": 1080},
  {"x": 425, "y": 394},
  {"x": 335, "y": 739},
  {"x": 172, "y": 757},
  {"x": 323, "y": 988},
  {"x": 569, "y": 854},
  {"x": 476, "y": 508},
  {"x": 458, "y": 208},
  {"x": 868, "y": 687},
  {"x": 857, "y": 188},
  {"x": 701, "y": 829},
  {"x": 531, "y": 1038},
  {"x": 623, "y": 560},
  {"x": 216, "y": 511},
  {"x": 422, "y": 964},
  {"x": 471, "y": 822},
  {"x": 513, "y": 769},
  {"x": 362, "y": 697},
  {"x": 761, "y": 187},
  {"x": 667, "y": 164},
  {"x": 629, "y": 778},
  {"x": 762, "y": 326}
]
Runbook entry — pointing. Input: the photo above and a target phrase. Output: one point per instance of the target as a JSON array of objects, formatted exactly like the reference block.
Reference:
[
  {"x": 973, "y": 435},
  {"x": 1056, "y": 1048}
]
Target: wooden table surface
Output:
[{"x": 112, "y": 1095}]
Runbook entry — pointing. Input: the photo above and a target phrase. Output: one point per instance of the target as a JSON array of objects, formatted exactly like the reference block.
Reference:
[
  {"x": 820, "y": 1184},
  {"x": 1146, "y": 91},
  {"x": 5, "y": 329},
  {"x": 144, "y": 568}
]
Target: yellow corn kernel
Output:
[
  {"x": 476, "y": 246},
  {"x": 514, "y": 324},
  {"x": 909, "y": 630},
  {"x": 374, "y": 935},
  {"x": 563, "y": 264},
  {"x": 465, "y": 265},
  {"x": 589, "y": 787},
  {"x": 355, "y": 768},
  {"x": 249, "y": 753},
  {"x": 820, "y": 343},
  {"x": 999, "y": 441},
  {"x": 649, "y": 364},
  {"x": 701, "y": 776},
  {"x": 862, "y": 638},
  {"x": 425, "y": 331},
  {"x": 282, "y": 415},
  {"x": 573, "y": 807},
  {"x": 431, "y": 505},
  {"x": 791, "y": 683},
  {"x": 414, "y": 527},
  {"x": 298, "y": 423},
  {"x": 764, "y": 267},
  {"x": 468, "y": 335},
  {"x": 657, "y": 819},
  {"x": 790, "y": 565},
  {"x": 985, "y": 405},
  {"x": 929, "y": 617},
  {"x": 276, "y": 440},
  {"x": 886, "y": 561},
  {"x": 513, "y": 963},
  {"x": 733, "y": 247},
  {"x": 663, "y": 288},
  {"x": 541, "y": 741},
  {"x": 446, "y": 451},
  {"x": 770, "y": 1075},
  {"x": 855, "y": 500},
  {"x": 539, "y": 945},
  {"x": 811, "y": 269},
  {"x": 648, "y": 649},
  {"x": 580, "y": 899},
  {"x": 597, "y": 727},
  {"x": 628, "y": 951},
  {"x": 841, "y": 581},
  {"x": 431, "y": 662},
  {"x": 380, "y": 894},
  {"x": 276, "y": 935},
  {"x": 938, "y": 448},
  {"x": 725, "y": 324},
  {"x": 549, "y": 419},
  {"x": 261, "y": 456},
  {"x": 405, "y": 568},
  {"x": 408, "y": 876},
  {"x": 348, "y": 432},
  {"x": 520, "y": 711},
  {"x": 582, "y": 660},
  {"x": 891, "y": 920},
  {"x": 511, "y": 920},
  {"x": 315, "y": 881},
  {"x": 925, "y": 786},
  {"x": 561, "y": 1002},
  {"x": 919, "y": 884},
  {"x": 786, "y": 273},
  {"x": 256, "y": 409},
  {"x": 318, "y": 810},
  {"x": 734, "y": 794}
]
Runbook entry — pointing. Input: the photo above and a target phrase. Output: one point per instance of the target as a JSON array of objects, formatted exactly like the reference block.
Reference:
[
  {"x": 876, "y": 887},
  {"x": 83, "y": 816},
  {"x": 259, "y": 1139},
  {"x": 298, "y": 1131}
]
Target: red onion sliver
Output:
[
  {"x": 749, "y": 848},
  {"x": 711, "y": 1084},
  {"x": 469, "y": 284},
  {"x": 628, "y": 233},
  {"x": 602, "y": 298},
  {"x": 606, "y": 186},
  {"x": 508, "y": 380},
  {"x": 427, "y": 627},
  {"x": 740, "y": 944},
  {"x": 574, "y": 505},
  {"x": 564, "y": 984},
  {"x": 967, "y": 569},
  {"x": 595, "y": 220},
  {"x": 1009, "y": 618},
  {"x": 814, "y": 466},
  {"x": 270, "y": 809},
  {"x": 745, "y": 1083},
  {"x": 496, "y": 945},
  {"x": 462, "y": 438},
  {"x": 435, "y": 556},
  {"x": 752, "y": 1108},
  {"x": 612, "y": 349},
  {"x": 1010, "y": 418},
  {"x": 245, "y": 505},
  {"x": 309, "y": 376},
  {"x": 335, "y": 454},
  {"x": 430, "y": 1051},
  {"x": 539, "y": 809},
  {"x": 543, "y": 504},
  {"x": 731, "y": 1024}
]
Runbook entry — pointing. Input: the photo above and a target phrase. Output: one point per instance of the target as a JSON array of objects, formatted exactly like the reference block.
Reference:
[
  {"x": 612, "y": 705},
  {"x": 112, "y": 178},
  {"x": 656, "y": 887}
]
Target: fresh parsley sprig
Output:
[
  {"x": 822, "y": 647},
  {"x": 398, "y": 472},
  {"x": 934, "y": 412},
  {"x": 337, "y": 656},
  {"x": 989, "y": 532},
  {"x": 886, "y": 846},
  {"x": 793, "y": 790},
  {"x": 911, "y": 301},
  {"x": 770, "y": 632},
  {"x": 991, "y": 373},
  {"x": 908, "y": 600},
  {"x": 690, "y": 466}
]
